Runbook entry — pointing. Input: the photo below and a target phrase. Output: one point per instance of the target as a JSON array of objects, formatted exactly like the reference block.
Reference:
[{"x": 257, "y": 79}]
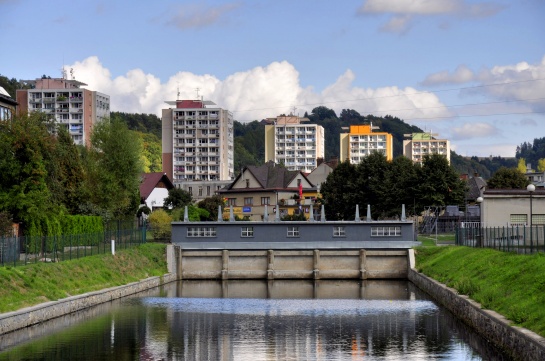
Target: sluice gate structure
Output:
[{"x": 359, "y": 249}]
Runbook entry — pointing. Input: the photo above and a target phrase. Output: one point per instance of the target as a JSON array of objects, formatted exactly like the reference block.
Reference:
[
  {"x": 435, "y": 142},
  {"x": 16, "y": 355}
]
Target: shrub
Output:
[{"x": 160, "y": 225}]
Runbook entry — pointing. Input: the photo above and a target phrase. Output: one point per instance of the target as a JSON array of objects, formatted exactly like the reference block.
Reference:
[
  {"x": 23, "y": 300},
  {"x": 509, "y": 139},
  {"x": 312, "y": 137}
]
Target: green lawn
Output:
[
  {"x": 24, "y": 286},
  {"x": 510, "y": 284}
]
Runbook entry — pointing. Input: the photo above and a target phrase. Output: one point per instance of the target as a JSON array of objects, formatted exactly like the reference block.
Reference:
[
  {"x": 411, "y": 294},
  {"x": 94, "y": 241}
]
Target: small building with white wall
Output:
[{"x": 512, "y": 207}]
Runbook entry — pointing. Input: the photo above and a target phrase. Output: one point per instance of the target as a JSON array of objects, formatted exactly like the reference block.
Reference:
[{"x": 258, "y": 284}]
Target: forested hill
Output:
[
  {"x": 333, "y": 125},
  {"x": 533, "y": 153},
  {"x": 145, "y": 123}
]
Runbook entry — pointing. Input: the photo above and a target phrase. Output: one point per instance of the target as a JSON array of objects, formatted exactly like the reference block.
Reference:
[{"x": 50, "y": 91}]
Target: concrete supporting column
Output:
[
  {"x": 225, "y": 265},
  {"x": 179, "y": 263},
  {"x": 270, "y": 264},
  {"x": 316, "y": 264},
  {"x": 363, "y": 264}
]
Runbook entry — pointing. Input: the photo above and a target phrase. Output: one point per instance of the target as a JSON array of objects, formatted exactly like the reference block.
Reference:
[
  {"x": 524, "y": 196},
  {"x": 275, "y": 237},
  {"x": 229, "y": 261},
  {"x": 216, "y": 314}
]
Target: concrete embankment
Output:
[
  {"x": 519, "y": 343},
  {"x": 29, "y": 316}
]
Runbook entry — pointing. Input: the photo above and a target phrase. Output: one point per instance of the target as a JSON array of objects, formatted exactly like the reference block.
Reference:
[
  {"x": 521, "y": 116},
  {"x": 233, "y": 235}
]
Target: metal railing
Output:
[
  {"x": 17, "y": 251},
  {"x": 519, "y": 239}
]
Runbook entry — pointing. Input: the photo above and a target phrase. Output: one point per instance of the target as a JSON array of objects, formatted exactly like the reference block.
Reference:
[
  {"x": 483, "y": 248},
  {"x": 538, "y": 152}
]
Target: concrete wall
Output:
[
  {"x": 520, "y": 343},
  {"x": 292, "y": 264},
  {"x": 497, "y": 208}
]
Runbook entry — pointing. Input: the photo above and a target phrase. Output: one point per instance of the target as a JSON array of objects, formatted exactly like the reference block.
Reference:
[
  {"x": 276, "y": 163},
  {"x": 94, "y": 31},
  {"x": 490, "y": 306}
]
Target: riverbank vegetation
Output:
[
  {"x": 42, "y": 282},
  {"x": 510, "y": 284}
]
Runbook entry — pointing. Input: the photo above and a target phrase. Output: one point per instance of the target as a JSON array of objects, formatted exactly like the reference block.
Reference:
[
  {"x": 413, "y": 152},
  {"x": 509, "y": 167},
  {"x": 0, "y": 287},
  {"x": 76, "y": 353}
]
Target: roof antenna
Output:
[
  {"x": 72, "y": 74},
  {"x": 197, "y": 90},
  {"x": 178, "y": 92}
]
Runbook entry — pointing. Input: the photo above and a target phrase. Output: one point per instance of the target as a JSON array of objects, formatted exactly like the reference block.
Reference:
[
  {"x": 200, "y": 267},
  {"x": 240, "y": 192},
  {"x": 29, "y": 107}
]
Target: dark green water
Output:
[{"x": 257, "y": 320}]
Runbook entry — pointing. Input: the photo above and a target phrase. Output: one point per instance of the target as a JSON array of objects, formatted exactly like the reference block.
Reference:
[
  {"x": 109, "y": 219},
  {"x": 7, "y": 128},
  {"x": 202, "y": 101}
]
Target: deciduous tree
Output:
[{"x": 507, "y": 178}]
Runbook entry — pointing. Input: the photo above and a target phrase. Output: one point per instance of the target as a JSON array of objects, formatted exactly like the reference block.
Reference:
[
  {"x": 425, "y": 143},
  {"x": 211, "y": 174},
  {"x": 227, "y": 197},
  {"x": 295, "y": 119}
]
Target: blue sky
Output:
[{"x": 430, "y": 62}]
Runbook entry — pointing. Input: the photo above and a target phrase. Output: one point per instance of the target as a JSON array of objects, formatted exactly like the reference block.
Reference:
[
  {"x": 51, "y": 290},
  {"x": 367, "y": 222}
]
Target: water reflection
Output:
[{"x": 259, "y": 320}]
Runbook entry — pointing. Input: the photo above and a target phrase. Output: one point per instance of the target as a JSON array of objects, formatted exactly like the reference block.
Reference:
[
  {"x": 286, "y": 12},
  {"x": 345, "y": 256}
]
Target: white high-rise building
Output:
[
  {"x": 68, "y": 103},
  {"x": 198, "y": 143},
  {"x": 291, "y": 142}
]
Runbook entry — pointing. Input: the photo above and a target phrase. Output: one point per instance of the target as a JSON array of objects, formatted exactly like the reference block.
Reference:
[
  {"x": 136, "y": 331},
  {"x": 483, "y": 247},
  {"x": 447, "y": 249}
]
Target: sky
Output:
[{"x": 469, "y": 71}]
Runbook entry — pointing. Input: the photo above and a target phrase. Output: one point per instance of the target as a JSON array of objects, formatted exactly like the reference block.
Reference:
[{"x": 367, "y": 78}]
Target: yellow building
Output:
[{"x": 362, "y": 141}]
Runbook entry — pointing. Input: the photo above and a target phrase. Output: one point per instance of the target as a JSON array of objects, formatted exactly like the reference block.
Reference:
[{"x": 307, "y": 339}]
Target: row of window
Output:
[
  {"x": 293, "y": 231},
  {"x": 249, "y": 201},
  {"x": 522, "y": 219}
]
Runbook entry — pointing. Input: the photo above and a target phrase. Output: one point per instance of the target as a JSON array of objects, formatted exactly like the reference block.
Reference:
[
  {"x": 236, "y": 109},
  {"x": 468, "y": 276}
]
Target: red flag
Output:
[{"x": 300, "y": 190}]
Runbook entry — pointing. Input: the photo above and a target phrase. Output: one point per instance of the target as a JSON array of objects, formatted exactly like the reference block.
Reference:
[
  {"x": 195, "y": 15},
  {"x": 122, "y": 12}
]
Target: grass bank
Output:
[
  {"x": 510, "y": 284},
  {"x": 42, "y": 282}
]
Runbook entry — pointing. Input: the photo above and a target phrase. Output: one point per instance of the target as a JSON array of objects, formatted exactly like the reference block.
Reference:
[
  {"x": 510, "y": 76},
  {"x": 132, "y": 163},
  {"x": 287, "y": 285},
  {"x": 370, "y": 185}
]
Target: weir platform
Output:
[{"x": 359, "y": 249}]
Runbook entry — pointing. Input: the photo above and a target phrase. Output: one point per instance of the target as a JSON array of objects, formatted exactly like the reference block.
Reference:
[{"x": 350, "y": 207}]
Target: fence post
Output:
[{"x": 113, "y": 247}]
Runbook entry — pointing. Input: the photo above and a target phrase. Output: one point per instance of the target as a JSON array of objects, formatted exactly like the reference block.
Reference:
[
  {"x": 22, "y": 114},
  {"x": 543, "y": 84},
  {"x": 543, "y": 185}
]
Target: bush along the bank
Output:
[{"x": 63, "y": 230}]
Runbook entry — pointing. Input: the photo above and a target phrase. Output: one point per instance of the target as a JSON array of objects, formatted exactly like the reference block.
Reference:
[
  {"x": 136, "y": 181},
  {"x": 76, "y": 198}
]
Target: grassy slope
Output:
[
  {"x": 36, "y": 283},
  {"x": 510, "y": 284}
]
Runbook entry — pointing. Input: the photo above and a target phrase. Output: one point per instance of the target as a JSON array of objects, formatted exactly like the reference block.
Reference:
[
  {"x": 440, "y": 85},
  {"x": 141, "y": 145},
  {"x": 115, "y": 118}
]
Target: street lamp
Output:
[
  {"x": 531, "y": 188},
  {"x": 481, "y": 219}
]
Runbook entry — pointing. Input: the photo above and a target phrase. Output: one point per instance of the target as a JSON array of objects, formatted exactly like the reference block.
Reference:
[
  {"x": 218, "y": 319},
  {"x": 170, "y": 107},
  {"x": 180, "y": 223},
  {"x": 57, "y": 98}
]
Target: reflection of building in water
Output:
[{"x": 315, "y": 334}]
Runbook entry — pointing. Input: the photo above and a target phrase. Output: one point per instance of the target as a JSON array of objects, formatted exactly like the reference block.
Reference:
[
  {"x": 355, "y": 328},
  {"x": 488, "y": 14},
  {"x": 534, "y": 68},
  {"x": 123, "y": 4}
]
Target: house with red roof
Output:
[{"x": 154, "y": 189}]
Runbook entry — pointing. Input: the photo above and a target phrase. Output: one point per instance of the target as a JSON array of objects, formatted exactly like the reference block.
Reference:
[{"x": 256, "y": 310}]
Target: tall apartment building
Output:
[
  {"x": 361, "y": 141},
  {"x": 417, "y": 145},
  {"x": 68, "y": 104},
  {"x": 198, "y": 143},
  {"x": 298, "y": 146}
]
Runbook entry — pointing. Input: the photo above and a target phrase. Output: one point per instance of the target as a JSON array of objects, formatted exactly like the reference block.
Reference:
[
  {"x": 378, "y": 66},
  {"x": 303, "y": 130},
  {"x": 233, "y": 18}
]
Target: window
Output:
[
  {"x": 247, "y": 232},
  {"x": 247, "y": 183},
  {"x": 293, "y": 231},
  {"x": 200, "y": 191},
  {"x": 538, "y": 219},
  {"x": 207, "y": 190},
  {"x": 265, "y": 200},
  {"x": 249, "y": 201},
  {"x": 518, "y": 219},
  {"x": 394, "y": 231},
  {"x": 231, "y": 201},
  {"x": 190, "y": 190},
  {"x": 201, "y": 231},
  {"x": 338, "y": 232}
]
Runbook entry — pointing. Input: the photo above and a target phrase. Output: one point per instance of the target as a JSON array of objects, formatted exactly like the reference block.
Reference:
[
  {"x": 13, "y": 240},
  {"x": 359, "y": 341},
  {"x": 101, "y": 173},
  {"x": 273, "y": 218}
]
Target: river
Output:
[{"x": 257, "y": 320}]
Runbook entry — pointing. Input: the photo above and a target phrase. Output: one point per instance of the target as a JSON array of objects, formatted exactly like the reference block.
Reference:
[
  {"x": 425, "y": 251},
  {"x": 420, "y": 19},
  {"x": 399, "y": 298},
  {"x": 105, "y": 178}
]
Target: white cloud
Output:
[
  {"x": 462, "y": 74},
  {"x": 520, "y": 86},
  {"x": 473, "y": 130},
  {"x": 523, "y": 81},
  {"x": 196, "y": 16},
  {"x": 254, "y": 94},
  {"x": 403, "y": 11}
]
